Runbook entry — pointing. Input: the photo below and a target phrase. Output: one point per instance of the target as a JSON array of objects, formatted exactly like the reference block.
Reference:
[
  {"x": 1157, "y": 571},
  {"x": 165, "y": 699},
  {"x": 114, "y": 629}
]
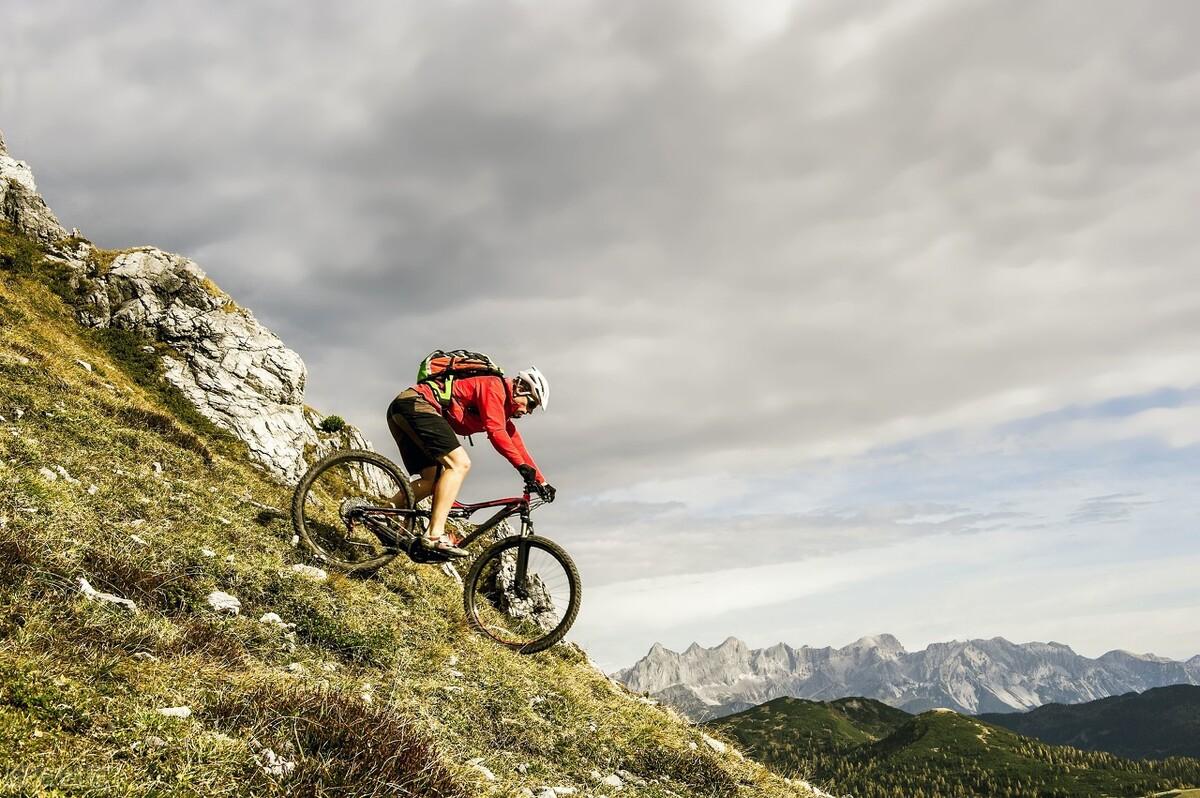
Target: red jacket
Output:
[{"x": 483, "y": 404}]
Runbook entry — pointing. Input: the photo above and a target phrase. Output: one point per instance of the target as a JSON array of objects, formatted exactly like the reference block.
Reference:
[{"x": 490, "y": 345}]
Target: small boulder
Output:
[
  {"x": 176, "y": 712},
  {"x": 274, "y": 765},
  {"x": 224, "y": 603},
  {"x": 311, "y": 572}
]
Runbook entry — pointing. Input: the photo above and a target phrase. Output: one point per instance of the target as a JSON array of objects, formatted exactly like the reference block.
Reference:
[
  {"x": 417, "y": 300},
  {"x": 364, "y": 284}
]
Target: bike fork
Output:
[{"x": 523, "y": 553}]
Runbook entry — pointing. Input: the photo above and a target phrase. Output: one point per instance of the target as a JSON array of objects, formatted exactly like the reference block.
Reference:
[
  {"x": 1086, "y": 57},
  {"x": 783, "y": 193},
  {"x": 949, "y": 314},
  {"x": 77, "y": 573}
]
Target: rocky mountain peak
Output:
[{"x": 884, "y": 644}]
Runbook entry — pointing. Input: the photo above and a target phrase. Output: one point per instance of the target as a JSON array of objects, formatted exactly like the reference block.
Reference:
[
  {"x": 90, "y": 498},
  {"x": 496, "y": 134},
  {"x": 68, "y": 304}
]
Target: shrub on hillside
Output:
[{"x": 332, "y": 424}]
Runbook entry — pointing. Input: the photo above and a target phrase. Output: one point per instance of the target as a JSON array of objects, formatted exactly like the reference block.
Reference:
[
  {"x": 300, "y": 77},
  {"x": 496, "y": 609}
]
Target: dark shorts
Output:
[{"x": 420, "y": 431}]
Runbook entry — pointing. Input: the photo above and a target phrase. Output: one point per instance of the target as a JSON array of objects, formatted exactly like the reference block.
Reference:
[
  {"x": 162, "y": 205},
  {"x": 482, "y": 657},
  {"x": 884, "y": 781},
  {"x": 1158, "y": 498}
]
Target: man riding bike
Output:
[{"x": 426, "y": 434}]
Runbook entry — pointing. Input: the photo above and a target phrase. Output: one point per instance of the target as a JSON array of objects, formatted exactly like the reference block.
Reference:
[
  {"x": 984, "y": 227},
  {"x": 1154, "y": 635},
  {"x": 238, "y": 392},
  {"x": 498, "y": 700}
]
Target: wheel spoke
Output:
[{"x": 528, "y": 614}]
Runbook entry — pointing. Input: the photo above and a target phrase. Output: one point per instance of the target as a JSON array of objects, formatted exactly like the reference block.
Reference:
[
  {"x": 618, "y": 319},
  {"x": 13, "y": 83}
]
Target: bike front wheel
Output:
[
  {"x": 522, "y": 592},
  {"x": 331, "y": 510}
]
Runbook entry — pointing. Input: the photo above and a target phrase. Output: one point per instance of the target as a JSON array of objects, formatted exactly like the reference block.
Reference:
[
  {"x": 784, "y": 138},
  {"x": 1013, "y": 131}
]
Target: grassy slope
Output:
[{"x": 80, "y": 681}]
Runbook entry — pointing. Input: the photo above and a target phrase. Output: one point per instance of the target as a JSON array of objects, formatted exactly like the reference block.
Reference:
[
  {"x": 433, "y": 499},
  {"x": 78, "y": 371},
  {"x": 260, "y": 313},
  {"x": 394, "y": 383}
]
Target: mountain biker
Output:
[{"x": 426, "y": 434}]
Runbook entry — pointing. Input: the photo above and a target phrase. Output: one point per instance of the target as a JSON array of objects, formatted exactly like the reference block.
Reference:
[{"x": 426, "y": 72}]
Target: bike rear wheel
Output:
[
  {"x": 331, "y": 510},
  {"x": 526, "y": 615}
]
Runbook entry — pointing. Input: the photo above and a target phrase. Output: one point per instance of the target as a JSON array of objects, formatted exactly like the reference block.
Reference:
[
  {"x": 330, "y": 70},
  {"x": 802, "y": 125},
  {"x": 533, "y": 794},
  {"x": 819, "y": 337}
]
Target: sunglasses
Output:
[{"x": 531, "y": 400}]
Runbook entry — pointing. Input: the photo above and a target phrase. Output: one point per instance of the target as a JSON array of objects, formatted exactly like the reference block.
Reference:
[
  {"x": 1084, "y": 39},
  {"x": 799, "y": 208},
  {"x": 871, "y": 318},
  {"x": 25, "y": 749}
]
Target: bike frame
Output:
[{"x": 516, "y": 505}]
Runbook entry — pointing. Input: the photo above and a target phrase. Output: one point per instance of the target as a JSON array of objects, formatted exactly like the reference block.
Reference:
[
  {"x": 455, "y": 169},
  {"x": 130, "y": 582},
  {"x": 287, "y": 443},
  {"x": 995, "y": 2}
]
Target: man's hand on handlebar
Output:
[{"x": 544, "y": 491}]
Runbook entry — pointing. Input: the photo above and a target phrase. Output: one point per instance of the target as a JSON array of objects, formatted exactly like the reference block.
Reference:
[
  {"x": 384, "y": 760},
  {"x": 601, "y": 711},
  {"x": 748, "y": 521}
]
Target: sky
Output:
[{"x": 859, "y": 317}]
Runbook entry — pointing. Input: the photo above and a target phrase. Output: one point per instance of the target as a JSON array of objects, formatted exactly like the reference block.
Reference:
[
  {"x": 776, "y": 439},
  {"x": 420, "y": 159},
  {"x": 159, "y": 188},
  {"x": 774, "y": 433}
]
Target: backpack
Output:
[{"x": 440, "y": 369}]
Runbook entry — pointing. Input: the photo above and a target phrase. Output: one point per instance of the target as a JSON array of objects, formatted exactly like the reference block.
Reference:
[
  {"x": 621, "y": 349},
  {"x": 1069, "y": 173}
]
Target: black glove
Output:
[{"x": 529, "y": 474}]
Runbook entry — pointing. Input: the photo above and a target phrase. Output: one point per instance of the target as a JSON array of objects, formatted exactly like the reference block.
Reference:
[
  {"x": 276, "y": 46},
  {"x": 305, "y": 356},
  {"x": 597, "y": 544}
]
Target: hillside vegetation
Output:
[
  {"x": 1161, "y": 722},
  {"x": 357, "y": 687},
  {"x": 937, "y": 754}
]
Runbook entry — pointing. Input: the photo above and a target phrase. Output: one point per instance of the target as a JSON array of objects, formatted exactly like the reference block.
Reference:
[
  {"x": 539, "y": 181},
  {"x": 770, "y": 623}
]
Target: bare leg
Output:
[
  {"x": 422, "y": 487},
  {"x": 455, "y": 466}
]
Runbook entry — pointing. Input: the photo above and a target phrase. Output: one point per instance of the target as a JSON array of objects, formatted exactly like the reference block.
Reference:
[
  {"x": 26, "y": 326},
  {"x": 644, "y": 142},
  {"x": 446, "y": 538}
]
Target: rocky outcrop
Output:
[
  {"x": 968, "y": 676},
  {"x": 237, "y": 373},
  {"x": 20, "y": 203}
]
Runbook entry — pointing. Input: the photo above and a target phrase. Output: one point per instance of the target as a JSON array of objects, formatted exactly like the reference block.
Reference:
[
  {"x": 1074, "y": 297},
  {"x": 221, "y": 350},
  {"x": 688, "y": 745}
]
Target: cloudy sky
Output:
[{"x": 860, "y": 317}]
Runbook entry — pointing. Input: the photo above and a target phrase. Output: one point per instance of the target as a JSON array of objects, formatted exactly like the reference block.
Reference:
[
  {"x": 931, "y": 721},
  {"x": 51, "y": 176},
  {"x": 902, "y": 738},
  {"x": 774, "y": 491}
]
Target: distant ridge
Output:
[
  {"x": 971, "y": 677},
  {"x": 1161, "y": 722}
]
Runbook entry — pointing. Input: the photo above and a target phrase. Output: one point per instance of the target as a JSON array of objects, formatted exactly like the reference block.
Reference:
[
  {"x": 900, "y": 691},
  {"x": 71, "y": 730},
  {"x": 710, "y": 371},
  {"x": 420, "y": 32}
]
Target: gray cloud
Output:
[{"x": 739, "y": 239}]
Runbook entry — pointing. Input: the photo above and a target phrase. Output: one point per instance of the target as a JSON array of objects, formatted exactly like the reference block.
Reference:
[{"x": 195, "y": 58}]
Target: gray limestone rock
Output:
[
  {"x": 20, "y": 203},
  {"x": 237, "y": 373}
]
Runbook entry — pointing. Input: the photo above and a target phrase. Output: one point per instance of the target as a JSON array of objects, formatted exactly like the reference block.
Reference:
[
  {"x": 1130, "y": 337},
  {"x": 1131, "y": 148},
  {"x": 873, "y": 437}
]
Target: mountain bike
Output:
[{"x": 354, "y": 510}]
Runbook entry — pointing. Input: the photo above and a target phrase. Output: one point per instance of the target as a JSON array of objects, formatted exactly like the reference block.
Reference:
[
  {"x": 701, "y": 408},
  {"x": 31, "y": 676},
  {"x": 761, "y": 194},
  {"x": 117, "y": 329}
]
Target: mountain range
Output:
[{"x": 972, "y": 676}]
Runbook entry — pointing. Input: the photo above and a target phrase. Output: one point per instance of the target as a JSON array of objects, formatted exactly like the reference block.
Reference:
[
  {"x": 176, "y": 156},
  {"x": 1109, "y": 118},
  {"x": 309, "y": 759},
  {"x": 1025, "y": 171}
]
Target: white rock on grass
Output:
[
  {"x": 139, "y": 540},
  {"x": 546, "y": 792},
  {"x": 273, "y": 619},
  {"x": 206, "y": 552},
  {"x": 83, "y": 364},
  {"x": 525, "y": 792},
  {"x": 565, "y": 790},
  {"x": 614, "y": 781},
  {"x": 96, "y": 595},
  {"x": 715, "y": 745},
  {"x": 48, "y": 474},
  {"x": 311, "y": 572},
  {"x": 176, "y": 712},
  {"x": 62, "y": 472},
  {"x": 274, "y": 765},
  {"x": 224, "y": 603},
  {"x": 92, "y": 490}
]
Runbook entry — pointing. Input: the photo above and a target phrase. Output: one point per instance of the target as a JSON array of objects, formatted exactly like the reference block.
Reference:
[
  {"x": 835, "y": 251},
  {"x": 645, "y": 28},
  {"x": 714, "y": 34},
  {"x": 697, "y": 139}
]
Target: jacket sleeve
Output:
[{"x": 492, "y": 403}]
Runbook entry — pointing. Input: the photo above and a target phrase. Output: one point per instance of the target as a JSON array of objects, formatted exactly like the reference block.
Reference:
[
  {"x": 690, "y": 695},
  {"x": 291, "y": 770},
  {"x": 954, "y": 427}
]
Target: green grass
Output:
[{"x": 150, "y": 486}]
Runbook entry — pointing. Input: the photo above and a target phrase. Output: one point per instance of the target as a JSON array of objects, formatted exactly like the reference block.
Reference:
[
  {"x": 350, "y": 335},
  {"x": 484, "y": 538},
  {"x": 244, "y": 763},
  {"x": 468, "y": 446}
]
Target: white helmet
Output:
[{"x": 537, "y": 385}]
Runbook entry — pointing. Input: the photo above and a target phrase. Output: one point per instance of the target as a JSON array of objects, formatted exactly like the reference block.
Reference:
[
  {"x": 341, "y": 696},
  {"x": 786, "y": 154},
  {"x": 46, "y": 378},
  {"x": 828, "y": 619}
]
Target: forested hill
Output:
[
  {"x": 1158, "y": 723},
  {"x": 871, "y": 753},
  {"x": 161, "y": 635}
]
